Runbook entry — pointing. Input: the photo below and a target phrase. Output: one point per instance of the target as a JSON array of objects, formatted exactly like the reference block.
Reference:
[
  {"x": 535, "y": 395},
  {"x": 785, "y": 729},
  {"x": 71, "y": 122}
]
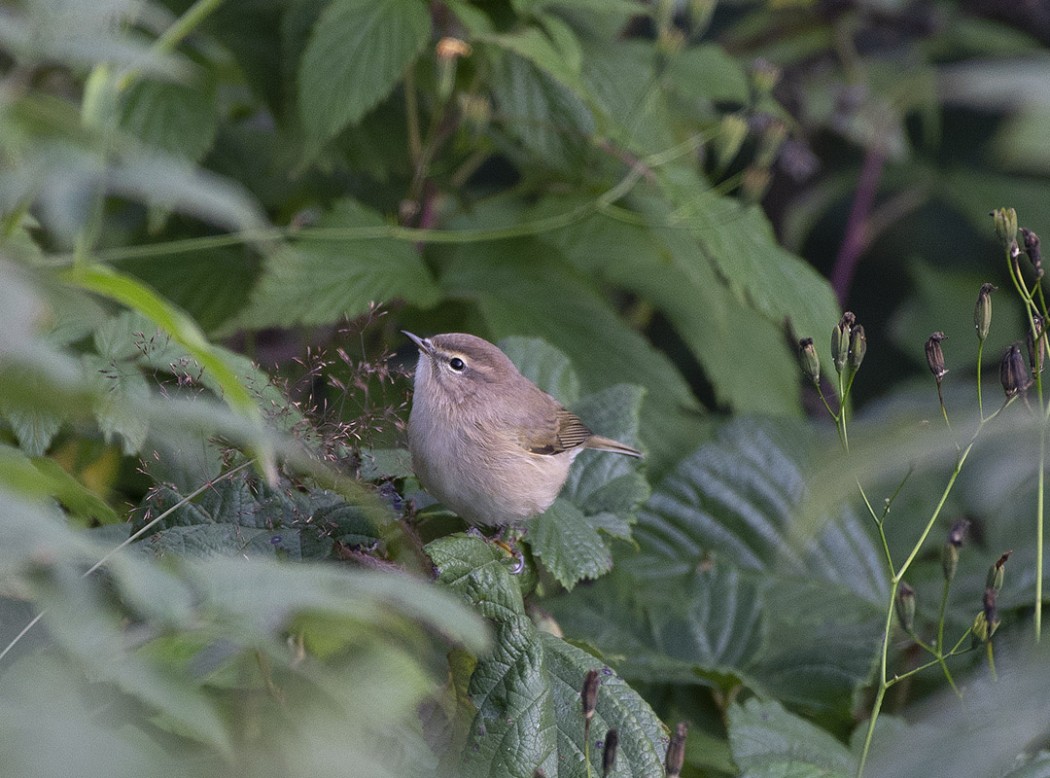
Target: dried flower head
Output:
[
  {"x": 612, "y": 743},
  {"x": 1031, "y": 248},
  {"x": 935, "y": 356},
  {"x": 1013, "y": 374},
  {"x": 676, "y": 751}
]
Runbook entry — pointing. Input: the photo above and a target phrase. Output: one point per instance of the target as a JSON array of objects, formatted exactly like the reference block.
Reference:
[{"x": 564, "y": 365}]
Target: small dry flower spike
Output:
[
  {"x": 589, "y": 698},
  {"x": 612, "y": 743}
]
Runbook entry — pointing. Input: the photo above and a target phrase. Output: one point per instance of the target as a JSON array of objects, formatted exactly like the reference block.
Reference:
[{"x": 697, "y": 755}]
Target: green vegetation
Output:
[{"x": 215, "y": 217}]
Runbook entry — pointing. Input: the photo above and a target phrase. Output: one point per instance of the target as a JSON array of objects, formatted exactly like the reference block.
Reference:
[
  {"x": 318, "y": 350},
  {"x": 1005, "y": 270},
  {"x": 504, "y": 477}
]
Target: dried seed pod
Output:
[
  {"x": 935, "y": 355},
  {"x": 1013, "y": 374},
  {"x": 589, "y": 694}
]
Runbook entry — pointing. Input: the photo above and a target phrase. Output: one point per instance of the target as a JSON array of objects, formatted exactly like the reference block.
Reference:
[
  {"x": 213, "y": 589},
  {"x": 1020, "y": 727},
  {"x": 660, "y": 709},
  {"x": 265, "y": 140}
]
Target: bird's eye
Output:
[{"x": 457, "y": 364}]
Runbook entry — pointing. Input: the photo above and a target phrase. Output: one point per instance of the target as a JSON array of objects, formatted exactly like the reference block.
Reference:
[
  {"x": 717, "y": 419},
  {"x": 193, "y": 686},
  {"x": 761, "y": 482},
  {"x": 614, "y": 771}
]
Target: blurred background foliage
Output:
[{"x": 216, "y": 216}]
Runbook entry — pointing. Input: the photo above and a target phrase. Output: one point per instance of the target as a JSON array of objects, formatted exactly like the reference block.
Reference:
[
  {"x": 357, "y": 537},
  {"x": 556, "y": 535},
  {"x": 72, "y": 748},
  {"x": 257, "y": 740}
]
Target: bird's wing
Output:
[{"x": 565, "y": 431}]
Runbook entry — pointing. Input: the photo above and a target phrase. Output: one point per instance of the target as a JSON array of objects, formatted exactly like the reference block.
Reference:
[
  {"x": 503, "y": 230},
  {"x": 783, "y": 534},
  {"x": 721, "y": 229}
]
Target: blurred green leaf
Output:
[
  {"x": 178, "y": 118},
  {"x": 356, "y": 53},
  {"x": 322, "y": 280},
  {"x": 770, "y": 742}
]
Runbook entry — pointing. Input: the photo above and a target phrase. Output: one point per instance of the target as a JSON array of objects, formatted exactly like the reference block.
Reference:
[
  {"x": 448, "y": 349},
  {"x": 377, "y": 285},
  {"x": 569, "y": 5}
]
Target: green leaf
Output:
[
  {"x": 514, "y": 730},
  {"x": 618, "y": 706},
  {"x": 545, "y": 366},
  {"x": 613, "y": 413},
  {"x": 320, "y": 281},
  {"x": 357, "y": 52},
  {"x": 74, "y": 496},
  {"x": 769, "y": 742},
  {"x": 210, "y": 285},
  {"x": 664, "y": 266},
  {"x": 707, "y": 71},
  {"x": 549, "y": 119},
  {"x": 561, "y": 62},
  {"x": 739, "y": 241},
  {"x": 736, "y": 501},
  {"x": 704, "y": 627},
  {"x": 180, "y": 119},
  {"x": 527, "y": 691},
  {"x": 569, "y": 546}
]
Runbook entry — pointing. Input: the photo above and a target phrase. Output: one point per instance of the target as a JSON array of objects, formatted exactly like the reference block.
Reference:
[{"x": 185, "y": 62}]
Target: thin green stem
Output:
[{"x": 980, "y": 356}]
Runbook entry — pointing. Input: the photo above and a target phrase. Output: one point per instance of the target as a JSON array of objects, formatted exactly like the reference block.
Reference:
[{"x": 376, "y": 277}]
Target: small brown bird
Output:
[{"x": 485, "y": 440}]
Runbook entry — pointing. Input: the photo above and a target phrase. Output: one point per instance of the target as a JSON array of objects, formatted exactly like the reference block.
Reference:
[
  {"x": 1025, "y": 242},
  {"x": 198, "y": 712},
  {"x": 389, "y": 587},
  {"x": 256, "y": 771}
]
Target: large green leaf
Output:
[
  {"x": 667, "y": 267},
  {"x": 739, "y": 241},
  {"x": 548, "y": 119},
  {"x": 799, "y": 621},
  {"x": 357, "y": 53},
  {"x": 527, "y": 691},
  {"x": 769, "y": 742},
  {"x": 178, "y": 118},
  {"x": 321, "y": 280}
]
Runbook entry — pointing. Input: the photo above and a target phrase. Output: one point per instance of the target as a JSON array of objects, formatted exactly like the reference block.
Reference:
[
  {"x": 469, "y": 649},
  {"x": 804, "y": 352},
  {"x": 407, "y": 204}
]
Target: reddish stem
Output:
[{"x": 853, "y": 242}]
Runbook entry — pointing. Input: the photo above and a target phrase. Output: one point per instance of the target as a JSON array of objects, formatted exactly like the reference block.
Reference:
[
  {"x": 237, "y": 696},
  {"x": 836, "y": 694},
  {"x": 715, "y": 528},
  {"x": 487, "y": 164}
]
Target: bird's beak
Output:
[{"x": 421, "y": 343}]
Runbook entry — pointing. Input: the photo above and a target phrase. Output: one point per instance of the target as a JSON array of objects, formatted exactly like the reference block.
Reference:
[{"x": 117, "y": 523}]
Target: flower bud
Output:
[
  {"x": 589, "y": 694},
  {"x": 612, "y": 742},
  {"x": 997, "y": 572},
  {"x": 840, "y": 340},
  {"x": 1035, "y": 342},
  {"x": 982, "y": 312},
  {"x": 935, "y": 356},
  {"x": 957, "y": 533},
  {"x": 1012, "y": 373},
  {"x": 949, "y": 561},
  {"x": 979, "y": 630},
  {"x": 732, "y": 132},
  {"x": 858, "y": 346},
  {"x": 1031, "y": 247},
  {"x": 991, "y": 611},
  {"x": 809, "y": 360},
  {"x": 905, "y": 606},
  {"x": 676, "y": 751},
  {"x": 764, "y": 76},
  {"x": 1005, "y": 220}
]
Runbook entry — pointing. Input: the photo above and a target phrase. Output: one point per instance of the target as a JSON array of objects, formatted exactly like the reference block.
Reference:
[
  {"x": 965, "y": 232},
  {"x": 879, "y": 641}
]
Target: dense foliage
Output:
[{"x": 216, "y": 216}]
